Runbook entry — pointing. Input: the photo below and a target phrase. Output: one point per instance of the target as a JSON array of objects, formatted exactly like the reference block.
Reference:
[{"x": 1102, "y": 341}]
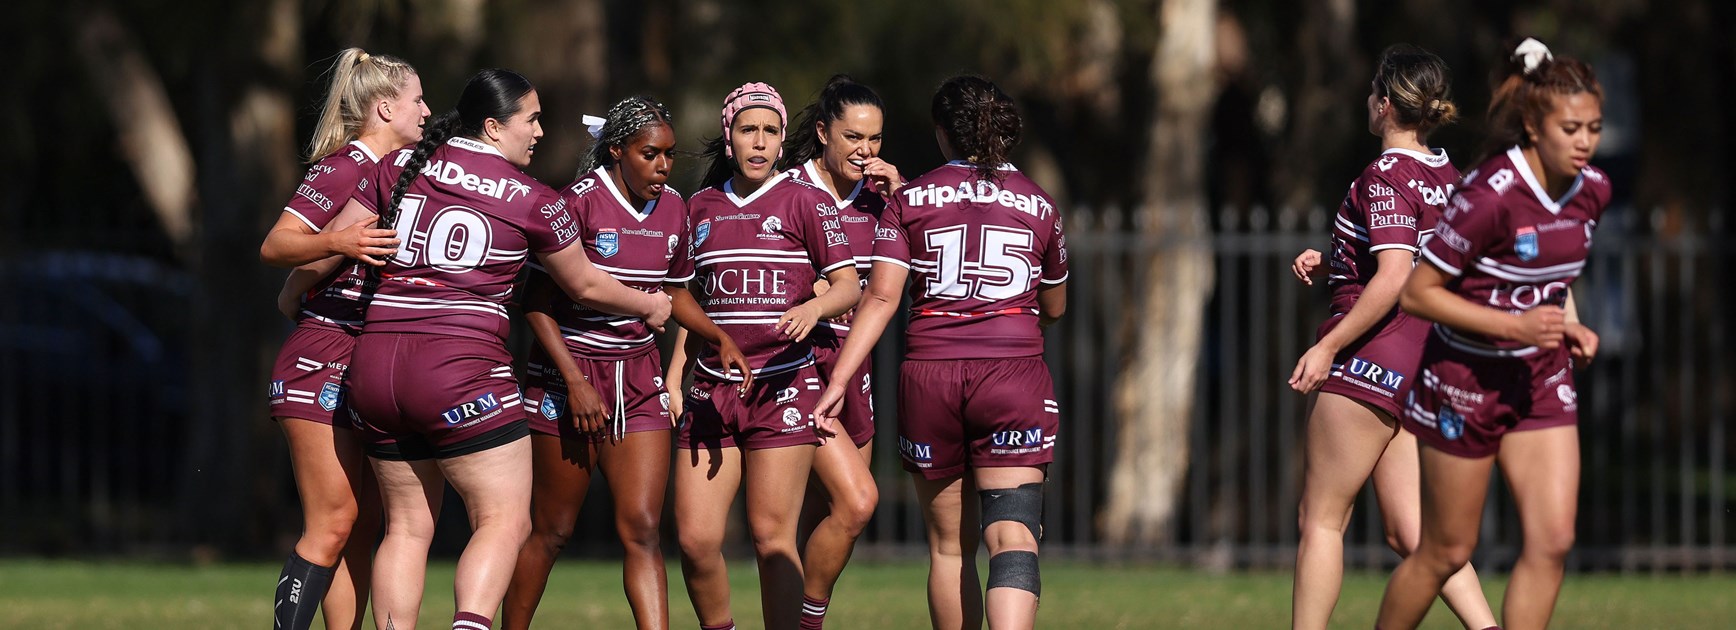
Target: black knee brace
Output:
[{"x": 1024, "y": 505}]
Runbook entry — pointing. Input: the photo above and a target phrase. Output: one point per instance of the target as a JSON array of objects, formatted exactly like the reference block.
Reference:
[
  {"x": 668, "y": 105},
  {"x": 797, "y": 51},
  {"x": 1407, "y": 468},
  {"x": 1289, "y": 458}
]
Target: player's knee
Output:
[
  {"x": 1446, "y": 558},
  {"x": 638, "y": 528},
  {"x": 1402, "y": 539},
  {"x": 856, "y": 507},
  {"x": 1553, "y": 544},
  {"x": 699, "y": 544},
  {"x": 549, "y": 536},
  {"x": 1015, "y": 569}
]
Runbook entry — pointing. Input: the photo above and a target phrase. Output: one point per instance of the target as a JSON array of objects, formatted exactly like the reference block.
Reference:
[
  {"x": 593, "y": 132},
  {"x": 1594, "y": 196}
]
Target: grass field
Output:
[{"x": 882, "y": 596}]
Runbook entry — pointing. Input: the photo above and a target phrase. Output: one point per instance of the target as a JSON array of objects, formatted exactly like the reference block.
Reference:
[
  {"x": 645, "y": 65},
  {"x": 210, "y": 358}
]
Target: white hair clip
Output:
[
  {"x": 594, "y": 125},
  {"x": 1532, "y": 53}
]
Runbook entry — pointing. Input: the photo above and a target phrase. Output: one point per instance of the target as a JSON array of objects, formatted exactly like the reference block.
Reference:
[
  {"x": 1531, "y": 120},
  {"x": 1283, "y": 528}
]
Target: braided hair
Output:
[
  {"x": 492, "y": 93},
  {"x": 981, "y": 123},
  {"x": 802, "y": 142},
  {"x": 623, "y": 122}
]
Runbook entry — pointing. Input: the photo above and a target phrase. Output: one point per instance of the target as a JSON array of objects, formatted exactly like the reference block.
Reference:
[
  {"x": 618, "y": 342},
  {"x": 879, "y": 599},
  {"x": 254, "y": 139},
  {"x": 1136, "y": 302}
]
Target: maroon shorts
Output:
[
  {"x": 307, "y": 380},
  {"x": 631, "y": 388},
  {"x": 777, "y": 412},
  {"x": 1377, "y": 369},
  {"x": 858, "y": 418},
  {"x": 424, "y": 396},
  {"x": 980, "y": 413},
  {"x": 1463, "y": 402}
]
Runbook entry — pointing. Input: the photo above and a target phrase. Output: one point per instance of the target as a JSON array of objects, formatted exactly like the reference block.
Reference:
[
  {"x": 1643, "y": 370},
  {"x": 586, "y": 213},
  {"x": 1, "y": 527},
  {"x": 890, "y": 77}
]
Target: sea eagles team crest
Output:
[
  {"x": 552, "y": 404},
  {"x": 330, "y": 395},
  {"x": 1525, "y": 243},
  {"x": 608, "y": 242},
  {"x": 771, "y": 225},
  {"x": 1452, "y": 424},
  {"x": 673, "y": 240}
]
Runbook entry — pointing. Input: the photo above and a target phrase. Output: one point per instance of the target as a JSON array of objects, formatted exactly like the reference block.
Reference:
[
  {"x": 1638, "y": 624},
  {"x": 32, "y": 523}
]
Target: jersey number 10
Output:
[
  {"x": 1001, "y": 274},
  {"x": 456, "y": 239}
]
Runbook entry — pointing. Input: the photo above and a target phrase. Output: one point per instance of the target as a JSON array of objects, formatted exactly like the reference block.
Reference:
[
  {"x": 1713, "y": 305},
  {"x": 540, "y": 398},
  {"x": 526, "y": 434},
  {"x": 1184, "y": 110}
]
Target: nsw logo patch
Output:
[
  {"x": 330, "y": 395},
  {"x": 608, "y": 242},
  {"x": 552, "y": 405}
]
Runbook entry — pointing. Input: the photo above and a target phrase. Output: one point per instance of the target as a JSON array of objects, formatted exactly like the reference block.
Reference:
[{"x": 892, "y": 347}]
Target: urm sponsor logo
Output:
[
  {"x": 915, "y": 451},
  {"x": 465, "y": 411},
  {"x": 1374, "y": 373},
  {"x": 1018, "y": 437}
]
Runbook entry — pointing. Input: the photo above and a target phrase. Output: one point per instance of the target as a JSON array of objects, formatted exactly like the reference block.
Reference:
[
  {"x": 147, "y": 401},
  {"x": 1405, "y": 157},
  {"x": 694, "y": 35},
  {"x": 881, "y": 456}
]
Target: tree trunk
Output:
[
  {"x": 1154, "y": 395},
  {"x": 563, "y": 47}
]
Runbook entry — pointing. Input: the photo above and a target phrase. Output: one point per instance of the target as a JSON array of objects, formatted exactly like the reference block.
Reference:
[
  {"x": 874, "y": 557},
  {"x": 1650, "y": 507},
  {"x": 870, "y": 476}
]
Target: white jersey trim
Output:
[
  {"x": 1380, "y": 248},
  {"x": 1517, "y": 155},
  {"x": 475, "y": 147},
  {"x": 814, "y": 178},
  {"x": 1480, "y": 349},
  {"x": 365, "y": 150},
  {"x": 729, "y": 189},
  {"x": 1435, "y": 158},
  {"x": 764, "y": 371},
  {"x": 847, "y": 262},
  {"x": 1004, "y": 166},
  {"x": 1528, "y": 275},
  {"x": 890, "y": 261},
  {"x": 1442, "y": 265},
  {"x": 609, "y": 183},
  {"x": 1059, "y": 280},
  {"x": 298, "y": 215}
]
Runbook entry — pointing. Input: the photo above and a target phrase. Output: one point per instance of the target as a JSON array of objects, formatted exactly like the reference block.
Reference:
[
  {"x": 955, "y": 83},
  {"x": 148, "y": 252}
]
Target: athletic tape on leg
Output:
[
  {"x": 1023, "y": 504},
  {"x": 1015, "y": 569}
]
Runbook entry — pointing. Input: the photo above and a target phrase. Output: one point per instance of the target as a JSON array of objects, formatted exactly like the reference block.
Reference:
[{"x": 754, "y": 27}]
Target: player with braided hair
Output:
[
  {"x": 373, "y": 105},
  {"x": 435, "y": 391},
  {"x": 594, "y": 385},
  {"x": 977, "y": 417}
]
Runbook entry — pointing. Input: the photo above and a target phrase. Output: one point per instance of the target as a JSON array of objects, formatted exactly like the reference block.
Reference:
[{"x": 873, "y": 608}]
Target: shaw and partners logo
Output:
[{"x": 465, "y": 411}]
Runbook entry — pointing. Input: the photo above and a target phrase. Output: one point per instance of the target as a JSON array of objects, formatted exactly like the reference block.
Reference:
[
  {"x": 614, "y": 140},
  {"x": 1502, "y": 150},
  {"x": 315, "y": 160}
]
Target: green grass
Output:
[{"x": 882, "y": 596}]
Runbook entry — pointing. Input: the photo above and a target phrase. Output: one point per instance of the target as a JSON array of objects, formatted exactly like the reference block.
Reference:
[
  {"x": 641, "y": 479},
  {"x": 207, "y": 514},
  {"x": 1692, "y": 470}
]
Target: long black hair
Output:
[
  {"x": 980, "y": 121},
  {"x": 624, "y": 121},
  {"x": 492, "y": 93},
  {"x": 802, "y": 141}
]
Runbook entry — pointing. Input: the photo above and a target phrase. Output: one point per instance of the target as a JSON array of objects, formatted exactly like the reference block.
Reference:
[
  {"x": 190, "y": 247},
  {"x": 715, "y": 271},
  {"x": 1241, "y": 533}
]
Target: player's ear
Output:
[
  {"x": 491, "y": 128},
  {"x": 820, "y": 130},
  {"x": 383, "y": 109}
]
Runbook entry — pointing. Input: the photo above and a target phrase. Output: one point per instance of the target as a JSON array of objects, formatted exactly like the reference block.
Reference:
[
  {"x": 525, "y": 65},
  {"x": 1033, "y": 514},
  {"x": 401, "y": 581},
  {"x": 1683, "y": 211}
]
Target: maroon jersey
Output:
[
  {"x": 466, "y": 224},
  {"x": 858, "y": 212},
  {"x": 335, "y": 302},
  {"x": 756, "y": 257},
  {"x": 638, "y": 246},
  {"x": 977, "y": 251},
  {"x": 1510, "y": 246},
  {"x": 1394, "y": 204}
]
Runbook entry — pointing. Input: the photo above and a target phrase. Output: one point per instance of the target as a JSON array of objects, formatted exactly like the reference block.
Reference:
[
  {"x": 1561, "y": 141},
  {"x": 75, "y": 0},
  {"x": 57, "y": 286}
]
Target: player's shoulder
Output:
[
  {"x": 1596, "y": 183},
  {"x": 588, "y": 186}
]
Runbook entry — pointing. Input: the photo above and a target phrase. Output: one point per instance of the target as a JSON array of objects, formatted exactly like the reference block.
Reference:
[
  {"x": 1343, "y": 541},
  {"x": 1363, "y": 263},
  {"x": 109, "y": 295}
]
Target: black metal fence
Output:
[{"x": 95, "y": 388}]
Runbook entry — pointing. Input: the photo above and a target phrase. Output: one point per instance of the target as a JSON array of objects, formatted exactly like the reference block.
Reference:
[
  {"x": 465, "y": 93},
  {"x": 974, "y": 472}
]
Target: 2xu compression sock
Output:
[
  {"x": 470, "y": 621},
  {"x": 814, "y": 613},
  {"x": 300, "y": 587}
]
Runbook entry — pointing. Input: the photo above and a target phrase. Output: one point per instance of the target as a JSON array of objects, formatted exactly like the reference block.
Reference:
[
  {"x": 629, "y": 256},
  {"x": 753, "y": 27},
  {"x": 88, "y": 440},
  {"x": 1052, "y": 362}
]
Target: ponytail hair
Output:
[
  {"x": 358, "y": 80},
  {"x": 623, "y": 122},
  {"x": 802, "y": 143},
  {"x": 492, "y": 93},
  {"x": 1525, "y": 90},
  {"x": 719, "y": 165},
  {"x": 1419, "y": 86},
  {"x": 980, "y": 121}
]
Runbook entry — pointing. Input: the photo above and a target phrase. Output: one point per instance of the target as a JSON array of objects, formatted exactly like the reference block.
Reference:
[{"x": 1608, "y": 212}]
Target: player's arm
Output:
[
  {"x": 696, "y": 324},
  {"x": 589, "y": 412},
  {"x": 1378, "y": 298},
  {"x": 301, "y": 280},
  {"x": 1426, "y": 295},
  {"x": 293, "y": 242},
  {"x": 1051, "y": 302},
  {"x": 873, "y": 312},
  {"x": 1581, "y": 340},
  {"x": 584, "y": 282}
]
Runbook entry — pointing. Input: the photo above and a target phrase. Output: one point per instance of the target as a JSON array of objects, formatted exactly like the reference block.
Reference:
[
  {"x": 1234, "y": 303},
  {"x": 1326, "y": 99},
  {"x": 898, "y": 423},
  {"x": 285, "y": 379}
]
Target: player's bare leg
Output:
[
  {"x": 850, "y": 496},
  {"x": 495, "y": 485},
  {"x": 1398, "y": 490},
  {"x": 1453, "y": 491},
  {"x": 1013, "y": 586},
  {"x": 705, "y": 484},
  {"x": 1542, "y": 469},
  {"x": 638, "y": 472},
  {"x": 775, "y": 479},
  {"x": 410, "y": 493},
  {"x": 1345, "y": 440},
  {"x": 340, "y": 518},
  {"x": 561, "y": 476},
  {"x": 949, "y": 512}
]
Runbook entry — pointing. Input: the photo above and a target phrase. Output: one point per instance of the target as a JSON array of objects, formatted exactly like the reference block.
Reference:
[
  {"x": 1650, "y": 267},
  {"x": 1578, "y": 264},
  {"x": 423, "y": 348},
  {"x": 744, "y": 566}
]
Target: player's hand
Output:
[
  {"x": 590, "y": 414},
  {"x": 677, "y": 401},
  {"x": 1543, "y": 327},
  {"x": 882, "y": 176},
  {"x": 827, "y": 411},
  {"x": 1581, "y": 343},
  {"x": 797, "y": 322},
  {"x": 732, "y": 359},
  {"x": 1312, "y": 369},
  {"x": 362, "y": 241},
  {"x": 660, "y": 309},
  {"x": 1306, "y": 265}
]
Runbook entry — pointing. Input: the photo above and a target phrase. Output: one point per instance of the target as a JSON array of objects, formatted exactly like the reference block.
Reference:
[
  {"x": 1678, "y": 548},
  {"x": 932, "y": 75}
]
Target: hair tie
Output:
[
  {"x": 1531, "y": 54},
  {"x": 362, "y": 58},
  {"x": 594, "y": 125}
]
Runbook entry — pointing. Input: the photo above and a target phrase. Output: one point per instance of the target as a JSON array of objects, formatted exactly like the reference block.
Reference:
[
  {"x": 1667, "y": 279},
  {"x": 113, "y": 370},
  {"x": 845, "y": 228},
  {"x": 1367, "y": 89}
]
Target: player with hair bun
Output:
[
  {"x": 977, "y": 417},
  {"x": 372, "y": 105},
  {"x": 1367, "y": 351},
  {"x": 760, "y": 241},
  {"x": 594, "y": 385},
  {"x": 1496, "y": 382},
  {"x": 435, "y": 390},
  {"x": 835, "y": 145}
]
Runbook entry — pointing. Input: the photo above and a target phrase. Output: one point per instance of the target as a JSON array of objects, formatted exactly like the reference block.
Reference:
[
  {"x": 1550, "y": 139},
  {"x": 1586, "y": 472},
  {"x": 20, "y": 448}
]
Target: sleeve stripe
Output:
[
  {"x": 680, "y": 280},
  {"x": 1059, "y": 280},
  {"x": 847, "y": 262},
  {"x": 893, "y": 261},
  {"x": 1409, "y": 248},
  {"x": 298, "y": 215},
  {"x": 1436, "y": 261}
]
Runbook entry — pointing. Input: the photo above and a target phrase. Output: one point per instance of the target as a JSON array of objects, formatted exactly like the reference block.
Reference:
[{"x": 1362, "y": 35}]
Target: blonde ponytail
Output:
[{"x": 358, "y": 80}]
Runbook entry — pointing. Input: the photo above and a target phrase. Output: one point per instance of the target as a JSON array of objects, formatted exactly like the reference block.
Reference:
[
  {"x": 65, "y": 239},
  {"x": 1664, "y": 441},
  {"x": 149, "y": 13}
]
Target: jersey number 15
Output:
[{"x": 1001, "y": 274}]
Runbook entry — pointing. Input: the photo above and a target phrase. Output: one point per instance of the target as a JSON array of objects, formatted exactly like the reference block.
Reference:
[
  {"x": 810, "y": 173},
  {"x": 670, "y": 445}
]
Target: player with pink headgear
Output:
[{"x": 760, "y": 241}]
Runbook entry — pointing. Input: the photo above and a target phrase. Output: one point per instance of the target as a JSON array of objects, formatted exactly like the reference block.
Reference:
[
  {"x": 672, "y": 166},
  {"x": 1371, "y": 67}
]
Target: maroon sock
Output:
[
  {"x": 1493, "y": 628},
  {"x": 471, "y": 621},
  {"x": 814, "y": 613},
  {"x": 727, "y": 625}
]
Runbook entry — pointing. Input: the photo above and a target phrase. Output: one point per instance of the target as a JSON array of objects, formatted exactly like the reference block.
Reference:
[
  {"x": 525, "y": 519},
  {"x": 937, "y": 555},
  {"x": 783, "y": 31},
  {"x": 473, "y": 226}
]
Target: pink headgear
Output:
[{"x": 748, "y": 96}]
